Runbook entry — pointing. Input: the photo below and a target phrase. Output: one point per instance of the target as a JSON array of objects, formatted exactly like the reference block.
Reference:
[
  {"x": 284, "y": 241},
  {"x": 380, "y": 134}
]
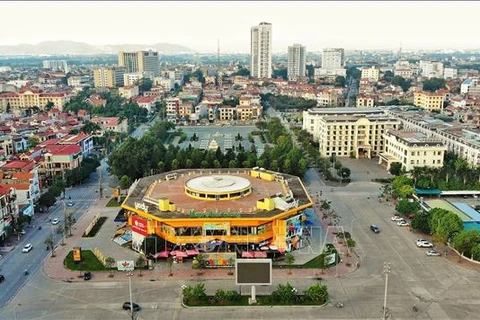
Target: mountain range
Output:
[{"x": 82, "y": 48}]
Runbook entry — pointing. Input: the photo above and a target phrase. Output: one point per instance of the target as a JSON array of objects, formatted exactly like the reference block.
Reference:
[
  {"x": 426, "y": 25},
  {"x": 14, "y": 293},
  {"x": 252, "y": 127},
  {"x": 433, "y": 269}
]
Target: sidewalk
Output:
[{"x": 54, "y": 268}]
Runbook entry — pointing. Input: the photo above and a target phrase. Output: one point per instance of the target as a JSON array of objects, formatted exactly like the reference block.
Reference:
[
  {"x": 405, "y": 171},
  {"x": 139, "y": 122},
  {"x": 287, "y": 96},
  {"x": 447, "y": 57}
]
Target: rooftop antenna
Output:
[{"x": 400, "y": 52}]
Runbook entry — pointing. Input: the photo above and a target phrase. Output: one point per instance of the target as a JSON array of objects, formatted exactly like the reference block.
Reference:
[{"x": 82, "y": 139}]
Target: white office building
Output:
[
  {"x": 261, "y": 51},
  {"x": 297, "y": 55}
]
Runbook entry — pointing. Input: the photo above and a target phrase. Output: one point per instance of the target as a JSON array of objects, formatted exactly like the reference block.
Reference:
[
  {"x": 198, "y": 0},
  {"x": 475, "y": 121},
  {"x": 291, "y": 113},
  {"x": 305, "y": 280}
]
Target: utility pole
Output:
[
  {"x": 100, "y": 183},
  {"x": 386, "y": 270}
]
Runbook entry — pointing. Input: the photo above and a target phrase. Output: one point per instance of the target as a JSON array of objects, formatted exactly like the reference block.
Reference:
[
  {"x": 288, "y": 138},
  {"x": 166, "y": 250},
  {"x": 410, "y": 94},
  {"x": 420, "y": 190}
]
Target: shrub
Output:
[
  {"x": 284, "y": 294},
  {"x": 226, "y": 296},
  {"x": 317, "y": 293},
  {"x": 194, "y": 295},
  {"x": 351, "y": 243}
]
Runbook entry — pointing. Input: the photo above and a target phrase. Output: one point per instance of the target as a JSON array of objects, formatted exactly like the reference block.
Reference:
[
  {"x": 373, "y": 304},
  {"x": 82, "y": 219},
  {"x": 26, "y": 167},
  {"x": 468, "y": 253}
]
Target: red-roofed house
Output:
[
  {"x": 146, "y": 102},
  {"x": 96, "y": 100},
  {"x": 8, "y": 210},
  {"x": 58, "y": 158},
  {"x": 83, "y": 140},
  {"x": 23, "y": 171},
  {"x": 111, "y": 124}
]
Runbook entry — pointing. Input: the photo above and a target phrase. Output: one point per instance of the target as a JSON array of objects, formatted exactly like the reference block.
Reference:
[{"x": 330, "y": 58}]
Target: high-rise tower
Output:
[
  {"x": 261, "y": 51},
  {"x": 296, "y": 61}
]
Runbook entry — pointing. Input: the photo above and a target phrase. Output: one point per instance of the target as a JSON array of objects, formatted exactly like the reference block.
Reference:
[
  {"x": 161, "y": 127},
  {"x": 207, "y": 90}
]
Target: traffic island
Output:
[{"x": 284, "y": 295}]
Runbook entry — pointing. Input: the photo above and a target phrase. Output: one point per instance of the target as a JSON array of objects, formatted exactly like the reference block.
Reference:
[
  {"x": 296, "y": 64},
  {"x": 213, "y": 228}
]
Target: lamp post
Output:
[
  {"x": 386, "y": 270},
  {"x": 129, "y": 275}
]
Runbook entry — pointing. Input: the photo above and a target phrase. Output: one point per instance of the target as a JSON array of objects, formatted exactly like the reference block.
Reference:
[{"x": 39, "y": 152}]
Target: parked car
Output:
[
  {"x": 375, "y": 228},
  {"x": 402, "y": 224},
  {"x": 87, "y": 276},
  {"x": 70, "y": 203},
  {"x": 55, "y": 221},
  {"x": 126, "y": 306},
  {"x": 422, "y": 243},
  {"x": 397, "y": 219},
  {"x": 433, "y": 253},
  {"x": 27, "y": 248}
]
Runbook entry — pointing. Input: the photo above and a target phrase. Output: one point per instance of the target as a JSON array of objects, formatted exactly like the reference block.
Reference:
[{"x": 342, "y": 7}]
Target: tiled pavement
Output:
[{"x": 54, "y": 268}]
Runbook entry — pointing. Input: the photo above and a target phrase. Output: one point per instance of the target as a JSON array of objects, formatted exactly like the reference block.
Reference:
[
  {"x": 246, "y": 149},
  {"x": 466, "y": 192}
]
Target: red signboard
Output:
[{"x": 139, "y": 225}]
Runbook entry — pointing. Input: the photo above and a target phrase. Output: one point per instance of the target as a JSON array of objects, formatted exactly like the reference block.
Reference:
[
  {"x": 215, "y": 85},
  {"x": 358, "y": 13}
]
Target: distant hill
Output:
[{"x": 73, "y": 47}]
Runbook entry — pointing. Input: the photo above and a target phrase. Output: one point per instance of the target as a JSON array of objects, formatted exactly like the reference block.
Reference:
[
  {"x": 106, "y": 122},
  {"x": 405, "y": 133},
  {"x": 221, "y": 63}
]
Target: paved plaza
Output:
[{"x": 441, "y": 288}]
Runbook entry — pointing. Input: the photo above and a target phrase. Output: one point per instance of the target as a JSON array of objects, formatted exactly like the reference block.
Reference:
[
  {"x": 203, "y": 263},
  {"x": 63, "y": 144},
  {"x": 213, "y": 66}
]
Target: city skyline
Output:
[{"x": 317, "y": 25}]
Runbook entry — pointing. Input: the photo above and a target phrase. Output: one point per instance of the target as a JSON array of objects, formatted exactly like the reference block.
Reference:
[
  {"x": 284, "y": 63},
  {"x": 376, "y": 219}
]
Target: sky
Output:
[{"x": 362, "y": 25}]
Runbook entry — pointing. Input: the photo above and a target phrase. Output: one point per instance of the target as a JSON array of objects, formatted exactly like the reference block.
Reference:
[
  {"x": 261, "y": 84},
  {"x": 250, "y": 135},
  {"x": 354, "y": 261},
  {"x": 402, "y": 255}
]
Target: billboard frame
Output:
[{"x": 253, "y": 261}]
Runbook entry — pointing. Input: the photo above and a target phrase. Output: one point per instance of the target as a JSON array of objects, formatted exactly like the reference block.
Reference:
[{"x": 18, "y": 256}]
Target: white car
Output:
[
  {"x": 433, "y": 253},
  {"x": 424, "y": 244},
  {"x": 397, "y": 219},
  {"x": 28, "y": 247},
  {"x": 55, "y": 221},
  {"x": 402, "y": 224}
]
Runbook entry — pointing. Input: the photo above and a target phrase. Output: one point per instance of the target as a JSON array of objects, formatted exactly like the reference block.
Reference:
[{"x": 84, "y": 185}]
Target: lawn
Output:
[
  {"x": 89, "y": 262},
  {"x": 113, "y": 202}
]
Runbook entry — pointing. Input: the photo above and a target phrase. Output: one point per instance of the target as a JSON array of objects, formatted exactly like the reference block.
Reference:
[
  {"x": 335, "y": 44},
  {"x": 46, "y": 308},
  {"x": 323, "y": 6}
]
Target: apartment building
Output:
[
  {"x": 365, "y": 101},
  {"x": 450, "y": 73},
  {"x": 172, "y": 105},
  {"x": 459, "y": 139},
  {"x": 429, "y": 100},
  {"x": 431, "y": 69},
  {"x": 296, "y": 66},
  {"x": 22, "y": 172},
  {"x": 470, "y": 86},
  {"x": 372, "y": 74},
  {"x": 128, "y": 92},
  {"x": 328, "y": 97},
  {"x": 56, "y": 65},
  {"x": 333, "y": 58},
  {"x": 32, "y": 97},
  {"x": 412, "y": 149},
  {"x": 132, "y": 78},
  {"x": 261, "y": 51},
  {"x": 8, "y": 211},
  {"x": 141, "y": 61},
  {"x": 108, "y": 77},
  {"x": 346, "y": 132},
  {"x": 59, "y": 158}
]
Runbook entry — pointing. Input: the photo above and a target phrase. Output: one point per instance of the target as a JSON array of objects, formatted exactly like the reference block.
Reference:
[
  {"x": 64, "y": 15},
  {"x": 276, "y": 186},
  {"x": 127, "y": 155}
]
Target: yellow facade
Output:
[
  {"x": 429, "y": 100},
  {"x": 30, "y": 99}
]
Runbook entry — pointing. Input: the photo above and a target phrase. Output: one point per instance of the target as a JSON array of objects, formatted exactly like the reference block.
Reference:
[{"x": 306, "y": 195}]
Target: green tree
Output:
[
  {"x": 91, "y": 127},
  {"x": 340, "y": 81},
  {"x": 280, "y": 73},
  {"x": 49, "y": 105},
  {"x": 244, "y": 72},
  {"x": 144, "y": 84},
  {"x": 465, "y": 240},
  {"x": 405, "y": 206},
  {"x": 47, "y": 200},
  {"x": 420, "y": 222},
  {"x": 317, "y": 292},
  {"x": 396, "y": 168},
  {"x": 401, "y": 82},
  {"x": 125, "y": 182},
  {"x": 476, "y": 252},
  {"x": 434, "y": 84},
  {"x": 140, "y": 263},
  {"x": 405, "y": 191},
  {"x": 49, "y": 241},
  {"x": 8, "y": 108},
  {"x": 290, "y": 260},
  {"x": 344, "y": 172},
  {"x": 110, "y": 263},
  {"x": 444, "y": 224}
]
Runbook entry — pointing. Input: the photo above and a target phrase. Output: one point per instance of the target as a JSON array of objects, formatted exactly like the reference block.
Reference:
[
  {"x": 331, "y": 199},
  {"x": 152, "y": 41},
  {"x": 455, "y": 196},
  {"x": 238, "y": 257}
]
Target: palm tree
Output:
[
  {"x": 110, "y": 262},
  {"x": 49, "y": 243}
]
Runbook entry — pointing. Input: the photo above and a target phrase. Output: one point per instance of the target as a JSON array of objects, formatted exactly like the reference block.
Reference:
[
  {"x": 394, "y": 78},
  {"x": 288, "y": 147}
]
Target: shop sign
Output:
[{"x": 139, "y": 225}]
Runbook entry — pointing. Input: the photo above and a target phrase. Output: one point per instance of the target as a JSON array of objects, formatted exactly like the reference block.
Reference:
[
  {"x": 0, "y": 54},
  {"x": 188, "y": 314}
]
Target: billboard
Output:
[
  {"x": 219, "y": 259},
  {"x": 253, "y": 272},
  {"x": 77, "y": 254},
  {"x": 139, "y": 225},
  {"x": 125, "y": 265}
]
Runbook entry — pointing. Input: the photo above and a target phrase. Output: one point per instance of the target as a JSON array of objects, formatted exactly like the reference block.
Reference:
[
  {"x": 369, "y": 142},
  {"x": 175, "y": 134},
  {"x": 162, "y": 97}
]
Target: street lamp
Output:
[
  {"x": 129, "y": 275},
  {"x": 386, "y": 270}
]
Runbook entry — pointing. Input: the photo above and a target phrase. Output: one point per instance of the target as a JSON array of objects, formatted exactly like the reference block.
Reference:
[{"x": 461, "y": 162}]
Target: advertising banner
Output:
[
  {"x": 216, "y": 226},
  {"x": 77, "y": 254},
  {"x": 125, "y": 265},
  {"x": 139, "y": 225},
  {"x": 219, "y": 259}
]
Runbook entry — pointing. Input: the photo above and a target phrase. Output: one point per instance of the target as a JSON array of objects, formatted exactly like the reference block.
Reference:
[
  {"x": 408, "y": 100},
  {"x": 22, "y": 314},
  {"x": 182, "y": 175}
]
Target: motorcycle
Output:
[
  {"x": 39, "y": 227},
  {"x": 25, "y": 272}
]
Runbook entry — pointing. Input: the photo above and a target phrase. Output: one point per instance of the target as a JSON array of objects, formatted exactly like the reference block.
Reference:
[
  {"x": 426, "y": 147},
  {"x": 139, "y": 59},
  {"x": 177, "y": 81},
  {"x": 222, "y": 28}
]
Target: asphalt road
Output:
[{"x": 13, "y": 264}]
